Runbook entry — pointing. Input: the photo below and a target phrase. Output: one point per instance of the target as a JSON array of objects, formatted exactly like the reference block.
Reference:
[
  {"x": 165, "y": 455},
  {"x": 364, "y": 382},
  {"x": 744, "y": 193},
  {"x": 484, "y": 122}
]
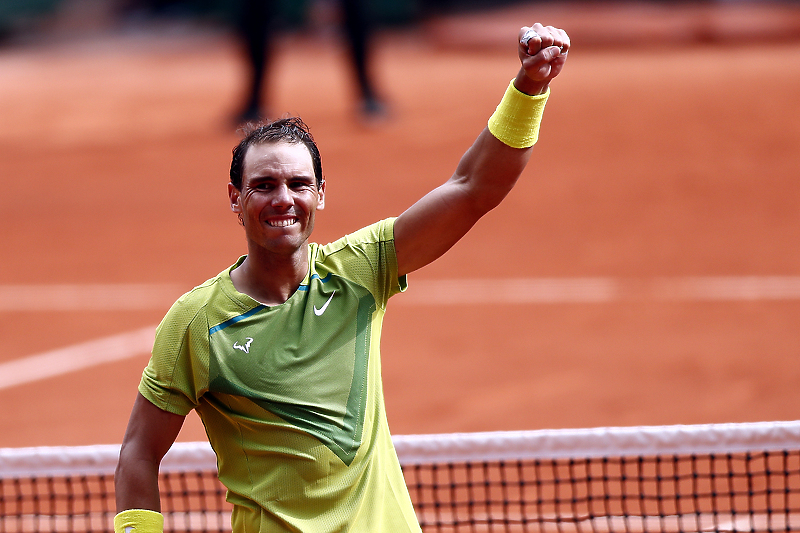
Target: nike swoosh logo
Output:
[{"x": 321, "y": 310}]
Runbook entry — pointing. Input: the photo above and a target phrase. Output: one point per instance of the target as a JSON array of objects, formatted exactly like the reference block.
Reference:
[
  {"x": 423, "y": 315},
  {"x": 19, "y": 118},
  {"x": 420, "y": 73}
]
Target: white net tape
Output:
[{"x": 453, "y": 448}]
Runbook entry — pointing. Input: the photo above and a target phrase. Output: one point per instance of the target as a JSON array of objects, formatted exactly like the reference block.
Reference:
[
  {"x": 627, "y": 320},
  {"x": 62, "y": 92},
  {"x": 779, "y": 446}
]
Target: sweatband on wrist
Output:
[
  {"x": 516, "y": 120},
  {"x": 139, "y": 521}
]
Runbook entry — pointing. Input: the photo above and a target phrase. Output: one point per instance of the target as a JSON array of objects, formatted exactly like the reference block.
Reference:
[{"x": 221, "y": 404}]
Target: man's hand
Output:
[{"x": 542, "y": 52}]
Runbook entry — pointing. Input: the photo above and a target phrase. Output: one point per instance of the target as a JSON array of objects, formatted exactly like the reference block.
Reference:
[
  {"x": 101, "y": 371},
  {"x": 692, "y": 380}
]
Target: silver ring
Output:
[{"x": 528, "y": 36}]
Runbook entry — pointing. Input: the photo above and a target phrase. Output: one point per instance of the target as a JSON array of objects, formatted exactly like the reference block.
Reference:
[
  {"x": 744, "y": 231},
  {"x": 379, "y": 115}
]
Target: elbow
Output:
[
  {"x": 484, "y": 194},
  {"x": 121, "y": 472},
  {"x": 484, "y": 199}
]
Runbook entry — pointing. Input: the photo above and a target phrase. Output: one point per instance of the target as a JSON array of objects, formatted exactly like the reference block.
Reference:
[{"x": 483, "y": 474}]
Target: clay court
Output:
[{"x": 645, "y": 271}]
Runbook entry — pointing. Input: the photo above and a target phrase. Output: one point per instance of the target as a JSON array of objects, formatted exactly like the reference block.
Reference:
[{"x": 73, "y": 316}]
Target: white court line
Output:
[
  {"x": 127, "y": 297},
  {"x": 510, "y": 291},
  {"x": 89, "y": 297},
  {"x": 599, "y": 290},
  {"x": 76, "y": 357},
  {"x": 423, "y": 292},
  {"x": 742, "y": 288}
]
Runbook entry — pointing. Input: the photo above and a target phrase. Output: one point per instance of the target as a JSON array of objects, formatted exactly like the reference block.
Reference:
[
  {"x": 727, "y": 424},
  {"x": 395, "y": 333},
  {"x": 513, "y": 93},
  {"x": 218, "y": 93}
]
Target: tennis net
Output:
[{"x": 722, "y": 477}]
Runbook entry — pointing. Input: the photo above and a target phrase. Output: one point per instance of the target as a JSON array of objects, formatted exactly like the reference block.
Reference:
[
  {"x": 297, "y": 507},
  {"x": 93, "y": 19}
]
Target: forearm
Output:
[
  {"x": 489, "y": 170},
  {"x": 136, "y": 484},
  {"x": 150, "y": 434},
  {"x": 491, "y": 167}
]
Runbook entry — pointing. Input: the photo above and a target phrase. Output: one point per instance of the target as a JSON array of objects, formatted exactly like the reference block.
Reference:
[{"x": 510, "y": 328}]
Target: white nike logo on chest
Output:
[{"x": 321, "y": 310}]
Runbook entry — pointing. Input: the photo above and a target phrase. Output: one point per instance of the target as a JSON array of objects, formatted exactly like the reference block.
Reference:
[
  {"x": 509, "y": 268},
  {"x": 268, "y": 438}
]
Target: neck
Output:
[{"x": 268, "y": 279}]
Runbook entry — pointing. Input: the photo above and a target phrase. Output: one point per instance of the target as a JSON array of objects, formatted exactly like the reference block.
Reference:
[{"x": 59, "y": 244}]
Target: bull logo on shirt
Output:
[{"x": 246, "y": 347}]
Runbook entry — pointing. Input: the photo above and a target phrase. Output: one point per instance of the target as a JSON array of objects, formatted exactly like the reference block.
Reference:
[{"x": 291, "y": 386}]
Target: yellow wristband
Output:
[
  {"x": 139, "y": 521},
  {"x": 516, "y": 120}
]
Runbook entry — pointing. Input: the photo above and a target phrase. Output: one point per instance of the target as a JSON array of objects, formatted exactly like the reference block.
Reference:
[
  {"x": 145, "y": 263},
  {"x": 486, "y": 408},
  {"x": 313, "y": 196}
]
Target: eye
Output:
[{"x": 300, "y": 184}]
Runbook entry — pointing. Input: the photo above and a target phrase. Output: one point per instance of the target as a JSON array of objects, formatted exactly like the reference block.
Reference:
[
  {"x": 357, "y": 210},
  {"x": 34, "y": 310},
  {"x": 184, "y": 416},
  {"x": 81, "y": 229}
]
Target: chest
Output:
[{"x": 306, "y": 351}]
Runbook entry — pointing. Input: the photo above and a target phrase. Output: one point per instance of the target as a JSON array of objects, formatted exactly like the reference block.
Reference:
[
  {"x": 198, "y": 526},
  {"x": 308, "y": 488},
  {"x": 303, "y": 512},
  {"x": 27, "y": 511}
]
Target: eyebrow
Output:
[
  {"x": 306, "y": 178},
  {"x": 270, "y": 176}
]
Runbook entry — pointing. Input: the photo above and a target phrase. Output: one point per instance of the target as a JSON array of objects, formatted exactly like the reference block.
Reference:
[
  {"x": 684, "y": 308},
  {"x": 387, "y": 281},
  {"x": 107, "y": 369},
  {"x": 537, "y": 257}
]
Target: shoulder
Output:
[
  {"x": 366, "y": 257},
  {"x": 382, "y": 231},
  {"x": 203, "y": 302},
  {"x": 187, "y": 310}
]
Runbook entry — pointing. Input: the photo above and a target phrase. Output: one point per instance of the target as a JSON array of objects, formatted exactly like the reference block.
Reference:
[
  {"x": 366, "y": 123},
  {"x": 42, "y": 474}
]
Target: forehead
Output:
[{"x": 277, "y": 158}]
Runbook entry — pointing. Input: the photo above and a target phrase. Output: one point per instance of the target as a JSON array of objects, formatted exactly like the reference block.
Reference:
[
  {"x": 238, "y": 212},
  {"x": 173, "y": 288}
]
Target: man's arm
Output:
[
  {"x": 150, "y": 433},
  {"x": 486, "y": 172}
]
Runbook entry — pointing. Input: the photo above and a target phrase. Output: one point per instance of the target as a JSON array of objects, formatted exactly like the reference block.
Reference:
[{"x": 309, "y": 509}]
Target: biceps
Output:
[
  {"x": 151, "y": 431},
  {"x": 430, "y": 227},
  {"x": 484, "y": 176}
]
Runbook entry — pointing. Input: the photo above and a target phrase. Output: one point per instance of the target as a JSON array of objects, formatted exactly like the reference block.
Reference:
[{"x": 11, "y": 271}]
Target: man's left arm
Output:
[{"x": 491, "y": 166}]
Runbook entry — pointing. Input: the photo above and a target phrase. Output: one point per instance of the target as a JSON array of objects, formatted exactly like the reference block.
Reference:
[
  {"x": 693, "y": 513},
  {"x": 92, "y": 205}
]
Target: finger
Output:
[
  {"x": 561, "y": 39},
  {"x": 547, "y": 39},
  {"x": 539, "y": 66},
  {"x": 530, "y": 41}
]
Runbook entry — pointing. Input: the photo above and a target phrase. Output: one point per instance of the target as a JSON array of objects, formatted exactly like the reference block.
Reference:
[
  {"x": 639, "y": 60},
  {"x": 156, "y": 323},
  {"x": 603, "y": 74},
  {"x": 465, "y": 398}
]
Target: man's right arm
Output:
[{"x": 150, "y": 434}]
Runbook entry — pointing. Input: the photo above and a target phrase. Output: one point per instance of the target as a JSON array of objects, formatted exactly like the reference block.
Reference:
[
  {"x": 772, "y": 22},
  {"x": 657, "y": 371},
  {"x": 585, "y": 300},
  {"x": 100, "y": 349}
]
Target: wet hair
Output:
[{"x": 291, "y": 129}]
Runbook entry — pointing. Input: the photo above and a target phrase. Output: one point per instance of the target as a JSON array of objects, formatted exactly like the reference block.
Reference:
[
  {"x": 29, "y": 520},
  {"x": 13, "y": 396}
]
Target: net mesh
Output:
[{"x": 733, "y": 477}]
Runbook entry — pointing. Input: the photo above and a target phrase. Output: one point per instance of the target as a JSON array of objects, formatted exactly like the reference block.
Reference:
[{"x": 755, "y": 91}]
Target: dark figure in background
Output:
[{"x": 254, "y": 26}]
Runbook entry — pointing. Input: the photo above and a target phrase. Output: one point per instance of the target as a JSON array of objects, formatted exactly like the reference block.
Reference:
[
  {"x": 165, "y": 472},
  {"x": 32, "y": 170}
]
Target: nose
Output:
[{"x": 282, "y": 196}]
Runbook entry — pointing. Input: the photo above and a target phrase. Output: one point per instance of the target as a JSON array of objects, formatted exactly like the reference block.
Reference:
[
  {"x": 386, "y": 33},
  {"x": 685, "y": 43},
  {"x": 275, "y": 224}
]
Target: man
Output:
[
  {"x": 279, "y": 353},
  {"x": 255, "y": 29}
]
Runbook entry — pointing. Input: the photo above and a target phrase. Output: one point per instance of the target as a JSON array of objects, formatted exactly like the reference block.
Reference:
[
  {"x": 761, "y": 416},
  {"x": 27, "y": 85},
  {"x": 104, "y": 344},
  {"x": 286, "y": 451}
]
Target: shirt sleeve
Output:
[
  {"x": 368, "y": 257},
  {"x": 177, "y": 374}
]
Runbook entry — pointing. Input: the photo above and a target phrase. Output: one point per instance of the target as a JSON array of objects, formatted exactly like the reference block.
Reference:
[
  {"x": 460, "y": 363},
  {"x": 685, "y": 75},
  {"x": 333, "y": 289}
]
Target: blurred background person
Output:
[{"x": 256, "y": 29}]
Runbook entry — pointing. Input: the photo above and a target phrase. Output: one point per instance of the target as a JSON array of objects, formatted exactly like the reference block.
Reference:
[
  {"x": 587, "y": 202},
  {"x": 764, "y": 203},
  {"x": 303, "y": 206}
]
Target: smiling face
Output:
[{"x": 278, "y": 199}]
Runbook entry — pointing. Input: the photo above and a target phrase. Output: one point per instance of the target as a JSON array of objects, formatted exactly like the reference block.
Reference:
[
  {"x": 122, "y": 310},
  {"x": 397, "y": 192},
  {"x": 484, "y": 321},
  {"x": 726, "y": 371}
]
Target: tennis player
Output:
[{"x": 279, "y": 353}]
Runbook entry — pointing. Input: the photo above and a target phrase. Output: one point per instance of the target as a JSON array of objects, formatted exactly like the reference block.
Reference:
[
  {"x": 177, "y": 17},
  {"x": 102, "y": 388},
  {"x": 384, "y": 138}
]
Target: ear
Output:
[
  {"x": 233, "y": 194},
  {"x": 321, "y": 193}
]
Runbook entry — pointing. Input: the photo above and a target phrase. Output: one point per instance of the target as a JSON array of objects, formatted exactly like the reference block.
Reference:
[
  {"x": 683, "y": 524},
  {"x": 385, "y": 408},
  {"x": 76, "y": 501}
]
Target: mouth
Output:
[{"x": 282, "y": 222}]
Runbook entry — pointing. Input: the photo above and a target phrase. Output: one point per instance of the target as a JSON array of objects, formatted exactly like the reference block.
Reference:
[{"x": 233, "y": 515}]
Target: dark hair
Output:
[{"x": 291, "y": 130}]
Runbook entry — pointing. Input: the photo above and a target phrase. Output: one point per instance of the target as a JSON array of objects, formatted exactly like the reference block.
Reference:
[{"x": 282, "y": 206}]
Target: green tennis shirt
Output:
[{"x": 290, "y": 395}]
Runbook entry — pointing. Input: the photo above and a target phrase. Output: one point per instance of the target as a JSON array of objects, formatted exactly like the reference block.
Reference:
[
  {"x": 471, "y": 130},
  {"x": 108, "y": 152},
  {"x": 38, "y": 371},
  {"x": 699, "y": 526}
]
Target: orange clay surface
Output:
[{"x": 658, "y": 159}]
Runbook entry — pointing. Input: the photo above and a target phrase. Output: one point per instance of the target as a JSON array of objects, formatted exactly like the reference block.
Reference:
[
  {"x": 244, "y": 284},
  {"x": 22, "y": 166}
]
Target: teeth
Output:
[{"x": 282, "y": 223}]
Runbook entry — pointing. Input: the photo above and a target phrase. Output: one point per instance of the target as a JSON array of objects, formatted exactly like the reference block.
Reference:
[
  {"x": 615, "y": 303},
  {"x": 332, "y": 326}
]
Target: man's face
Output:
[{"x": 279, "y": 197}]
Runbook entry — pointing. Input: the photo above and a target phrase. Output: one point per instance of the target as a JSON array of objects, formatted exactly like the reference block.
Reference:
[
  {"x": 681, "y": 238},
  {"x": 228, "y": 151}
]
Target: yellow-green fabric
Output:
[{"x": 291, "y": 395}]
